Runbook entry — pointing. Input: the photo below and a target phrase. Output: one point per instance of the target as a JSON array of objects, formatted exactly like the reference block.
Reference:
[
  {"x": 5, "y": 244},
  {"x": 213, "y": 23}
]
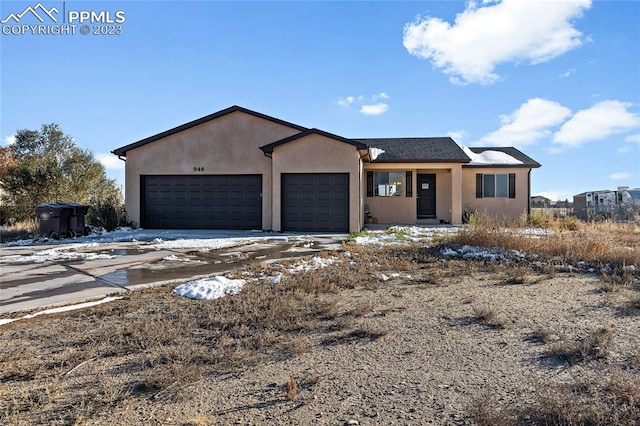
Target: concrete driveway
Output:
[{"x": 35, "y": 276}]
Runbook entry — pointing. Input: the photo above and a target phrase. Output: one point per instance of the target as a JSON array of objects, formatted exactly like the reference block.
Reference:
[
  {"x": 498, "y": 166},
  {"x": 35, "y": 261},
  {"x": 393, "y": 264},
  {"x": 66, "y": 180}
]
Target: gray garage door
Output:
[
  {"x": 202, "y": 202},
  {"x": 315, "y": 202}
]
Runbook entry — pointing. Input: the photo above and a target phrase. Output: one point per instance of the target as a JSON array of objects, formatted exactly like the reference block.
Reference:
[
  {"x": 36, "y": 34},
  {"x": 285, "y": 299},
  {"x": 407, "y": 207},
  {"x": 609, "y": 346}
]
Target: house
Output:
[
  {"x": 241, "y": 169},
  {"x": 538, "y": 201},
  {"x": 606, "y": 203}
]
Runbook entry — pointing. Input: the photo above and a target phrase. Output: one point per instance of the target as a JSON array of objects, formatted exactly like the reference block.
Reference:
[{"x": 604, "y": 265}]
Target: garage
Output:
[
  {"x": 201, "y": 201},
  {"x": 315, "y": 202}
]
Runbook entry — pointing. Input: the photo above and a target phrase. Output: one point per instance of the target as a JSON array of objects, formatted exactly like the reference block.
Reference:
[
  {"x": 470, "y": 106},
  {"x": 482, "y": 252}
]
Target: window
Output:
[
  {"x": 501, "y": 185},
  {"x": 389, "y": 184}
]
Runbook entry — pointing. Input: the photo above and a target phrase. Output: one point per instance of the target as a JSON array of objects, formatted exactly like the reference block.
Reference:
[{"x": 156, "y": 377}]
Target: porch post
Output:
[{"x": 456, "y": 195}]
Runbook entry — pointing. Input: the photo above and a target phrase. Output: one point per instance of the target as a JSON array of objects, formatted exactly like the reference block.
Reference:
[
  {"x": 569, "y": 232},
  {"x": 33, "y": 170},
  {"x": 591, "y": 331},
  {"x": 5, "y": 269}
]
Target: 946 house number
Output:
[{"x": 198, "y": 169}]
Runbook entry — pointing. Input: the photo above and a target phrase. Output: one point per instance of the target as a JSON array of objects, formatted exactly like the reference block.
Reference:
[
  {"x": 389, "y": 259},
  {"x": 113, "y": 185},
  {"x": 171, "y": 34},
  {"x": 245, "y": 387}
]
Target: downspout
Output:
[
  {"x": 270, "y": 156},
  {"x": 529, "y": 193},
  {"x": 120, "y": 157}
]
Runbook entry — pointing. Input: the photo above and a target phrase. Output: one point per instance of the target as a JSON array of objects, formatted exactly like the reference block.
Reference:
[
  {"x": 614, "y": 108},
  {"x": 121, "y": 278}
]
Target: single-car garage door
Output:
[
  {"x": 315, "y": 202},
  {"x": 202, "y": 202}
]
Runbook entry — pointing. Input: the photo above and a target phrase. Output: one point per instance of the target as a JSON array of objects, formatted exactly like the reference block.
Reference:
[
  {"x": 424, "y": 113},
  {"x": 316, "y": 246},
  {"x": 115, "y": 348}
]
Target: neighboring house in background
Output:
[
  {"x": 606, "y": 203},
  {"x": 538, "y": 201},
  {"x": 240, "y": 169}
]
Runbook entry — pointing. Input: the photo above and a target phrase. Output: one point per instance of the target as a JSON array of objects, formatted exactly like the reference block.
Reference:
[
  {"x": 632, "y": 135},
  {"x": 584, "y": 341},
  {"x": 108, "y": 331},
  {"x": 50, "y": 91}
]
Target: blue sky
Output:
[{"x": 558, "y": 79}]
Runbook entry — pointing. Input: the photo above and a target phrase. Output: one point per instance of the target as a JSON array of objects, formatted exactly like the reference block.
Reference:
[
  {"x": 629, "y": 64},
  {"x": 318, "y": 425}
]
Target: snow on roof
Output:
[
  {"x": 375, "y": 152},
  {"x": 490, "y": 157}
]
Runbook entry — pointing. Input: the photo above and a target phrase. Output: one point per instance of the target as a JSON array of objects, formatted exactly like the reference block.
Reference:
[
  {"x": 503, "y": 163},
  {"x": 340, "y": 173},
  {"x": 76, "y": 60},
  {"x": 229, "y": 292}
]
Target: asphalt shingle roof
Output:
[
  {"x": 432, "y": 150},
  {"x": 518, "y": 155}
]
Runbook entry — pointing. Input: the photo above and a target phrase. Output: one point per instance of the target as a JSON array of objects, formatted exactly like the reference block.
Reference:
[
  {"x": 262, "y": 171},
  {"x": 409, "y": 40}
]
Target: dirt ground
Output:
[
  {"x": 434, "y": 359},
  {"x": 392, "y": 337}
]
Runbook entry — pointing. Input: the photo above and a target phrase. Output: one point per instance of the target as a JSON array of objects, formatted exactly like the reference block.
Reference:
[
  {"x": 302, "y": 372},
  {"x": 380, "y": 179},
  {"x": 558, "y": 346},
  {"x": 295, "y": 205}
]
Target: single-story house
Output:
[
  {"x": 241, "y": 169},
  {"x": 540, "y": 201}
]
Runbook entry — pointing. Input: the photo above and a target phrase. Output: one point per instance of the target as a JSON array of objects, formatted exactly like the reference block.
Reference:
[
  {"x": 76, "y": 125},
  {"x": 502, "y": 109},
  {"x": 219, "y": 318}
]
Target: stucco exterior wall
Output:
[
  {"x": 404, "y": 209},
  {"x": 317, "y": 154},
  {"x": 227, "y": 145},
  {"x": 501, "y": 207}
]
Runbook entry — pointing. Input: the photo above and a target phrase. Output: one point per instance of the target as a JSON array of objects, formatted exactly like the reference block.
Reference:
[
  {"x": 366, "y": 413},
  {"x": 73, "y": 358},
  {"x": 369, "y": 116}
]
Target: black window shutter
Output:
[
  {"x": 369, "y": 184},
  {"x": 512, "y": 185},
  {"x": 409, "y": 182},
  {"x": 478, "y": 185}
]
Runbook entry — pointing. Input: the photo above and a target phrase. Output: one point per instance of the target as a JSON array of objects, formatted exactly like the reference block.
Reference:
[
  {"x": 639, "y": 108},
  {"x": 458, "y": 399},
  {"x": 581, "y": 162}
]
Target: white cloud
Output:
[
  {"x": 345, "y": 102},
  {"x": 528, "y": 124},
  {"x": 567, "y": 73},
  {"x": 369, "y": 105},
  {"x": 374, "y": 109},
  {"x": 633, "y": 138},
  {"x": 110, "y": 161},
  {"x": 10, "y": 140},
  {"x": 620, "y": 176},
  {"x": 457, "y": 135},
  {"x": 483, "y": 37},
  {"x": 597, "y": 122}
]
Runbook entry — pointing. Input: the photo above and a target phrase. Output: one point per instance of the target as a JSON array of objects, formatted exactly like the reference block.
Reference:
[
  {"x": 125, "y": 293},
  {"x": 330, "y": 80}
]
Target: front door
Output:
[{"x": 426, "y": 196}]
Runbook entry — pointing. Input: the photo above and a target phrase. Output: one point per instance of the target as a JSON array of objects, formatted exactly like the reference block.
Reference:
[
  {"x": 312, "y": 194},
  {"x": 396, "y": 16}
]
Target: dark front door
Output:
[{"x": 426, "y": 196}]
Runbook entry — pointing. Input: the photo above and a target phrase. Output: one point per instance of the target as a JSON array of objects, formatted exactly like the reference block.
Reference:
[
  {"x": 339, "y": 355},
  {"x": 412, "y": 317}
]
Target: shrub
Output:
[{"x": 108, "y": 214}]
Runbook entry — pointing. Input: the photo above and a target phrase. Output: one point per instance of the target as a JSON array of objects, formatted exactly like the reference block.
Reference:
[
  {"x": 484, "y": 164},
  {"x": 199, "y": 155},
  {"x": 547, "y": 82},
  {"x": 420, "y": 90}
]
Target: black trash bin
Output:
[
  {"x": 76, "y": 220},
  {"x": 60, "y": 220}
]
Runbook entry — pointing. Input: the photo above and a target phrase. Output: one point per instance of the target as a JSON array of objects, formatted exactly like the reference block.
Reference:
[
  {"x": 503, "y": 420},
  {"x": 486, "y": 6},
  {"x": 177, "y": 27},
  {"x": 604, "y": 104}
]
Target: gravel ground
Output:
[{"x": 433, "y": 361}]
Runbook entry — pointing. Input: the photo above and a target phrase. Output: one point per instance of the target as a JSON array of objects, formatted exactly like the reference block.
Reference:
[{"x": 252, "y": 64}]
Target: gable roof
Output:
[
  {"x": 268, "y": 149},
  {"x": 511, "y": 151},
  {"x": 415, "y": 150},
  {"x": 122, "y": 151}
]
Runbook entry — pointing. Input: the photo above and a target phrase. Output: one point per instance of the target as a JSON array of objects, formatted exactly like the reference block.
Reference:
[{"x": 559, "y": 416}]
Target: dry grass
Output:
[
  {"x": 292, "y": 388},
  {"x": 596, "y": 345},
  {"x": 489, "y": 317},
  {"x": 19, "y": 231},
  {"x": 612, "y": 401},
  {"x": 597, "y": 244}
]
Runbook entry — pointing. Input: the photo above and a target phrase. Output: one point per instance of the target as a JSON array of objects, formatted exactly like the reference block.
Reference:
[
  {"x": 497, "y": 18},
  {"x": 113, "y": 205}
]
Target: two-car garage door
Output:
[
  {"x": 310, "y": 202},
  {"x": 202, "y": 201}
]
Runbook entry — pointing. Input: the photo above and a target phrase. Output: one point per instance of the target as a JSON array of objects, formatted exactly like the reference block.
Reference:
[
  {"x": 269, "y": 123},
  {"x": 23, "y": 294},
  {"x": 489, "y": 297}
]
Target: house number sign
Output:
[
  {"x": 425, "y": 186},
  {"x": 198, "y": 169}
]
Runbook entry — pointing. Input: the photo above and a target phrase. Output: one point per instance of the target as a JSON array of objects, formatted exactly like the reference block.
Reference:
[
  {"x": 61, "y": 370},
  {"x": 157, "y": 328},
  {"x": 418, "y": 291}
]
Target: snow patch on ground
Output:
[
  {"x": 405, "y": 234},
  {"x": 312, "y": 264},
  {"x": 209, "y": 288},
  {"x": 65, "y": 253},
  {"x": 174, "y": 258},
  {"x": 61, "y": 309}
]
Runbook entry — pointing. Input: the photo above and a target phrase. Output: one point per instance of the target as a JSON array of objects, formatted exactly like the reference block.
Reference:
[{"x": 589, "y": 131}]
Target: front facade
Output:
[{"x": 240, "y": 169}]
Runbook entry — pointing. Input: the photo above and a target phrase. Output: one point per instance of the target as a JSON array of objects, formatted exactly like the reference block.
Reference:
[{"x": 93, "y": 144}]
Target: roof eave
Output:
[
  {"x": 122, "y": 151},
  {"x": 503, "y": 166}
]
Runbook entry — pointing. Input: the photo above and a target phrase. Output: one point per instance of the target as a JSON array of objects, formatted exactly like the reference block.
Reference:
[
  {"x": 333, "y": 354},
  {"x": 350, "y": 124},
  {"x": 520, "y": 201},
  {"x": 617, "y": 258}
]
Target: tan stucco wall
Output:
[
  {"x": 500, "y": 207},
  {"x": 226, "y": 145},
  {"x": 318, "y": 154},
  {"x": 404, "y": 209}
]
